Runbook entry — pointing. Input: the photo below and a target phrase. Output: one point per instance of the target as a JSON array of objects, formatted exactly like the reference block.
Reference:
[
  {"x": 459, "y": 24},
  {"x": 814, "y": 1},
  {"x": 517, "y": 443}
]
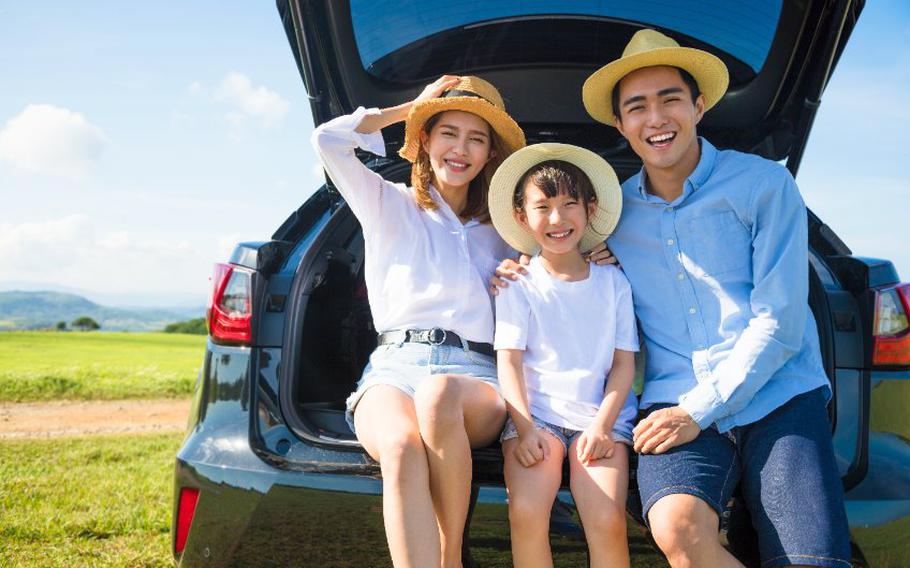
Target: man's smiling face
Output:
[{"x": 658, "y": 118}]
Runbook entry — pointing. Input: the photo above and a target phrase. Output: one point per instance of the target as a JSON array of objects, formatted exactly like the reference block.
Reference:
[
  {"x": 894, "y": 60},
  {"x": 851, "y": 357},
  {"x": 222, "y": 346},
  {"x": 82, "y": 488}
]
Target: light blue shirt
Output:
[{"x": 720, "y": 284}]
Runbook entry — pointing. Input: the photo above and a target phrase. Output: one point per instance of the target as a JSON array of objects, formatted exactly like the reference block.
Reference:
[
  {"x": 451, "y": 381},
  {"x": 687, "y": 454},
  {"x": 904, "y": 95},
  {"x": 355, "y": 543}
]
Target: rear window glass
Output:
[{"x": 406, "y": 40}]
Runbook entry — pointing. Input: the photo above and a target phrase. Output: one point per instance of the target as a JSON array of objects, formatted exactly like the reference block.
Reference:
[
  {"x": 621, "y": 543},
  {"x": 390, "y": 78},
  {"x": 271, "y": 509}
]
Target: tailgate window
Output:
[{"x": 411, "y": 40}]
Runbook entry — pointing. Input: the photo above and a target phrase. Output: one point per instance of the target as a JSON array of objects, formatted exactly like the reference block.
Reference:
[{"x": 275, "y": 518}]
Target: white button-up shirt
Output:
[{"x": 424, "y": 269}]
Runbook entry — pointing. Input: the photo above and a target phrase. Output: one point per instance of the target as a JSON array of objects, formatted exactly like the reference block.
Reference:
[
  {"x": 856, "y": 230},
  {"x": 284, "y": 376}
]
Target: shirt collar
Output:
[
  {"x": 446, "y": 211},
  {"x": 696, "y": 179}
]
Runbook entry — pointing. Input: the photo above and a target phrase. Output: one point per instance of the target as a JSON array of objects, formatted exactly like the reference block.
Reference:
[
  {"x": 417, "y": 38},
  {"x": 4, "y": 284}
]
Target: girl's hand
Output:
[
  {"x": 507, "y": 270},
  {"x": 594, "y": 444},
  {"x": 601, "y": 255},
  {"x": 532, "y": 448},
  {"x": 438, "y": 87}
]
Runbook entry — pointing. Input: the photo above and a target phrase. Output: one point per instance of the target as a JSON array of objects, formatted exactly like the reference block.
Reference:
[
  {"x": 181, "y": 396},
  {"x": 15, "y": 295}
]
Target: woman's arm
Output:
[{"x": 387, "y": 116}]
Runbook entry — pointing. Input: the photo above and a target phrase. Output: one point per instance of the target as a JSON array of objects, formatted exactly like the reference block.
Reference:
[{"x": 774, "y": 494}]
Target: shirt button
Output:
[
  {"x": 691, "y": 310},
  {"x": 670, "y": 242},
  {"x": 680, "y": 276}
]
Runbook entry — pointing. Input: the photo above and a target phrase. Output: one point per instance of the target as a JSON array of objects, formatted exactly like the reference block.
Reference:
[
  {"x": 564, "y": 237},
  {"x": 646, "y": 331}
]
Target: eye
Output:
[
  {"x": 478, "y": 139},
  {"x": 447, "y": 133},
  {"x": 671, "y": 99},
  {"x": 636, "y": 108}
]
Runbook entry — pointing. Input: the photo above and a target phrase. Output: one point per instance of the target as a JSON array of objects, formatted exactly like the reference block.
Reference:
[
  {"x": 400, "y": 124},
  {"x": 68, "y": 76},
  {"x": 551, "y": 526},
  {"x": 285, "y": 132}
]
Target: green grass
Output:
[
  {"x": 96, "y": 365},
  {"x": 98, "y": 501}
]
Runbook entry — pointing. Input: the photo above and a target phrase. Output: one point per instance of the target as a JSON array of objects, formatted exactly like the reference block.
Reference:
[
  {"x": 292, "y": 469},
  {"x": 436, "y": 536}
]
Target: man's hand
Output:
[
  {"x": 594, "y": 444},
  {"x": 601, "y": 255},
  {"x": 664, "y": 429},
  {"x": 508, "y": 270},
  {"x": 532, "y": 448}
]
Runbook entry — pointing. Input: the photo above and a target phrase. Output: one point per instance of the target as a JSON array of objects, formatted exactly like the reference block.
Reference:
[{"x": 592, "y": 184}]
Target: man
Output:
[{"x": 715, "y": 246}]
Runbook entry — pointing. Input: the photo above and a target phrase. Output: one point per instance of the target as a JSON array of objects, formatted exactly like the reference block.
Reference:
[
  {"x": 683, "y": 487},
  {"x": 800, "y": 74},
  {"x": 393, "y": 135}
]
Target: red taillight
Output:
[
  {"x": 890, "y": 328},
  {"x": 186, "y": 508},
  {"x": 230, "y": 309}
]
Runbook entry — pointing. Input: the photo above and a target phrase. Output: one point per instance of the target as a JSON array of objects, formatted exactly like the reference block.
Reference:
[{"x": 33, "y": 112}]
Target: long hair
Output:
[{"x": 422, "y": 176}]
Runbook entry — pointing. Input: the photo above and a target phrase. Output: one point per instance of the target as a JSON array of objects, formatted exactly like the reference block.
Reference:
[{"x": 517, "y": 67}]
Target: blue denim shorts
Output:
[
  {"x": 785, "y": 466},
  {"x": 563, "y": 434},
  {"x": 406, "y": 365}
]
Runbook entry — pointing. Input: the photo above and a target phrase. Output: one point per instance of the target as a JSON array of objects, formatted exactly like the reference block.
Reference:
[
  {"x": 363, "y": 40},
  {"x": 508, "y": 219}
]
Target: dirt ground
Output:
[{"x": 78, "y": 418}]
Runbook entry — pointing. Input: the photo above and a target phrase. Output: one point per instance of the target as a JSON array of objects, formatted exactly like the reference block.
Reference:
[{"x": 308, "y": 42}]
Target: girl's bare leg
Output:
[
  {"x": 599, "y": 489},
  {"x": 531, "y": 494},
  {"x": 386, "y": 425},
  {"x": 455, "y": 413}
]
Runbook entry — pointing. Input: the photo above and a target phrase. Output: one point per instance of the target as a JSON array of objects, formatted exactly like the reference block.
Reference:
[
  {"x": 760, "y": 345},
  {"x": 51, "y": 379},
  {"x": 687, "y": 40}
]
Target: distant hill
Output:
[{"x": 37, "y": 310}]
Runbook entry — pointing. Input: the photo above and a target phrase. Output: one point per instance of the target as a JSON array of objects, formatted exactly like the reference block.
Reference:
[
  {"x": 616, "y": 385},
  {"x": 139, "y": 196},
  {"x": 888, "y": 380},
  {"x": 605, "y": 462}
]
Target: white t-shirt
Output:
[
  {"x": 568, "y": 331},
  {"x": 423, "y": 269}
]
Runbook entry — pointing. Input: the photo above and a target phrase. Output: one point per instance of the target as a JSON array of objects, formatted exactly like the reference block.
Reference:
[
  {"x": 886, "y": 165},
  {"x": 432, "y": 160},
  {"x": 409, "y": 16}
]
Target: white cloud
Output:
[
  {"x": 249, "y": 101},
  {"x": 45, "y": 139}
]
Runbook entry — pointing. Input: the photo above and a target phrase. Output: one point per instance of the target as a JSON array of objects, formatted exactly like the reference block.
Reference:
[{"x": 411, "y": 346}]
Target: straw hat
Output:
[
  {"x": 649, "y": 48},
  {"x": 471, "y": 94},
  {"x": 510, "y": 172}
]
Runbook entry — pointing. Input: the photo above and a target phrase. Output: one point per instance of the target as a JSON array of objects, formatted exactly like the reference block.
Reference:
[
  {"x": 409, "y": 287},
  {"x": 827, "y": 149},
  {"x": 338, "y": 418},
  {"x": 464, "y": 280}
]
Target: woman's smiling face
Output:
[{"x": 459, "y": 146}]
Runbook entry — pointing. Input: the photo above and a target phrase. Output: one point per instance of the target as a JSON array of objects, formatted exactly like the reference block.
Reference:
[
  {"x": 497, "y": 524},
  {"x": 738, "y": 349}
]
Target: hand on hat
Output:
[{"x": 437, "y": 87}]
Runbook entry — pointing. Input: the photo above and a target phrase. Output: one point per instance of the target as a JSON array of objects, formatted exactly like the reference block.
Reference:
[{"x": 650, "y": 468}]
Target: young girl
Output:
[
  {"x": 429, "y": 393},
  {"x": 565, "y": 342}
]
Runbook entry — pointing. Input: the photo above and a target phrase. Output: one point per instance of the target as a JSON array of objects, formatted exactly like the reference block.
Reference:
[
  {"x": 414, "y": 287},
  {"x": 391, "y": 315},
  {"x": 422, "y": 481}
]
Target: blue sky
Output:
[{"x": 137, "y": 145}]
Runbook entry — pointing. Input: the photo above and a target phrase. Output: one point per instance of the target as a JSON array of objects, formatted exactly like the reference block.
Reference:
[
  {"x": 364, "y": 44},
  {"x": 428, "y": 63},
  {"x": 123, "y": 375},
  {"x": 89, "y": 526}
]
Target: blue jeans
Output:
[{"x": 789, "y": 479}]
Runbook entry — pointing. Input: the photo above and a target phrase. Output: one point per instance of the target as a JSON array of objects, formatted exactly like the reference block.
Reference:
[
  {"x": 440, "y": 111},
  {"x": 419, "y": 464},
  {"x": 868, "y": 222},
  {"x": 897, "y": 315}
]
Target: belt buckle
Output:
[{"x": 435, "y": 333}]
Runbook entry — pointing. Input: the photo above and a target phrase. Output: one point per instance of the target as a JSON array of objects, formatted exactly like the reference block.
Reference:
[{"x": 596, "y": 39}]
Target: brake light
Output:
[
  {"x": 230, "y": 310},
  {"x": 186, "y": 508},
  {"x": 890, "y": 328}
]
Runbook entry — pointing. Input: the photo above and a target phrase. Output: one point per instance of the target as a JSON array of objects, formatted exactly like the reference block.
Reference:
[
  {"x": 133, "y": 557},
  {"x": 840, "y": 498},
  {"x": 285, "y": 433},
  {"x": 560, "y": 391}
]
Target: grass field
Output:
[
  {"x": 51, "y": 366},
  {"x": 91, "y": 501}
]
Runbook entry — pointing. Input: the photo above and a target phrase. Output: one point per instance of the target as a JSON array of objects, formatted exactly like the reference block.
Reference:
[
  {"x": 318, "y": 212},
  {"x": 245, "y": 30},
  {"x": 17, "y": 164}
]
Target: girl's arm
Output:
[
  {"x": 597, "y": 441},
  {"x": 530, "y": 449}
]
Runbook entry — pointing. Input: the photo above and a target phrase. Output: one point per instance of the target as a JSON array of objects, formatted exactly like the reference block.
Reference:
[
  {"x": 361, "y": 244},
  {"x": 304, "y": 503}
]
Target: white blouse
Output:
[{"x": 424, "y": 269}]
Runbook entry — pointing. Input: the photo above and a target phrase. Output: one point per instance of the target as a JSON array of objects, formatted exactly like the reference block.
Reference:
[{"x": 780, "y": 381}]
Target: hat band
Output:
[{"x": 460, "y": 93}]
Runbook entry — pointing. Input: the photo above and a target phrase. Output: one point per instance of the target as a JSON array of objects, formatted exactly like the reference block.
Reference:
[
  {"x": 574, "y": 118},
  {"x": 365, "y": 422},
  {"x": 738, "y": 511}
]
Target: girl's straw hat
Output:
[
  {"x": 471, "y": 94},
  {"x": 649, "y": 48},
  {"x": 510, "y": 172}
]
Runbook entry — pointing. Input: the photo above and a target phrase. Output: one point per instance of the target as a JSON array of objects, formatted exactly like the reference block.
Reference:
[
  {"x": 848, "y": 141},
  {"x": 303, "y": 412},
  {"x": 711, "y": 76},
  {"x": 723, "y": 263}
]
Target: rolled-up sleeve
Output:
[
  {"x": 335, "y": 142},
  {"x": 778, "y": 302}
]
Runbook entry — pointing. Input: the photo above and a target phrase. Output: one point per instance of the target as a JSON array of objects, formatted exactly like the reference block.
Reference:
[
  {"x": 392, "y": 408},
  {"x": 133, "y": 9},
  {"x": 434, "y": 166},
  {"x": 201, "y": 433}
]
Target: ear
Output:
[
  {"x": 521, "y": 218},
  {"x": 592, "y": 210},
  {"x": 617, "y": 122},
  {"x": 699, "y": 107},
  {"x": 424, "y": 140}
]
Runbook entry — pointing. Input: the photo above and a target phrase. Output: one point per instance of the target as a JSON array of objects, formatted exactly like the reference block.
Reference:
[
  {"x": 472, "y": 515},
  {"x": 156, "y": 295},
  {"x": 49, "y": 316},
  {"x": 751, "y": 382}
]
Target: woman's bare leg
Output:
[
  {"x": 599, "y": 489},
  {"x": 455, "y": 413},
  {"x": 531, "y": 494},
  {"x": 386, "y": 425}
]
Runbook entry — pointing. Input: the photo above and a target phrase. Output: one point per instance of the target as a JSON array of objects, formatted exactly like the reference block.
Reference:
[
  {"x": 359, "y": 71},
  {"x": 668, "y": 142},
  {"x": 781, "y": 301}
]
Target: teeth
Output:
[
  {"x": 561, "y": 235},
  {"x": 455, "y": 164},
  {"x": 661, "y": 137}
]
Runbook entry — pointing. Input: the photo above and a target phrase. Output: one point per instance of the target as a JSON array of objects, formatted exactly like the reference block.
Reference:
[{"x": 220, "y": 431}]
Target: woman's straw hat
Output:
[
  {"x": 471, "y": 94},
  {"x": 510, "y": 172},
  {"x": 649, "y": 48}
]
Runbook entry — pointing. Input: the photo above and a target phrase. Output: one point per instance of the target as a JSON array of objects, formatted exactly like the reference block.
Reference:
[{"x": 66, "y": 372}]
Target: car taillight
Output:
[
  {"x": 186, "y": 508},
  {"x": 890, "y": 328},
  {"x": 230, "y": 309}
]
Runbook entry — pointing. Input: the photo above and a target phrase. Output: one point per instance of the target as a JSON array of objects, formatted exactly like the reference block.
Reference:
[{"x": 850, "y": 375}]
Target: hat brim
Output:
[
  {"x": 708, "y": 70},
  {"x": 502, "y": 124},
  {"x": 603, "y": 178}
]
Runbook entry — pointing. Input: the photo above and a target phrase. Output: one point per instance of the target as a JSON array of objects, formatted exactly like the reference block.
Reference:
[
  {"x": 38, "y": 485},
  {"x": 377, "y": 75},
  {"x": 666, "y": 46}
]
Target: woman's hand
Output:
[
  {"x": 507, "y": 270},
  {"x": 594, "y": 444},
  {"x": 601, "y": 255},
  {"x": 532, "y": 448},
  {"x": 437, "y": 87}
]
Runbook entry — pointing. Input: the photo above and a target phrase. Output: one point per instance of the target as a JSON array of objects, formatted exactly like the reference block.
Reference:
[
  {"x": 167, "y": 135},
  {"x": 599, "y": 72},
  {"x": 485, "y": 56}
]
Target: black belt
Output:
[{"x": 435, "y": 336}]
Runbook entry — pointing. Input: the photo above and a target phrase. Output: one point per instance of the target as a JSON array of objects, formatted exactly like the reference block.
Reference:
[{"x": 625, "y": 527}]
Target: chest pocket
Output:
[{"x": 717, "y": 243}]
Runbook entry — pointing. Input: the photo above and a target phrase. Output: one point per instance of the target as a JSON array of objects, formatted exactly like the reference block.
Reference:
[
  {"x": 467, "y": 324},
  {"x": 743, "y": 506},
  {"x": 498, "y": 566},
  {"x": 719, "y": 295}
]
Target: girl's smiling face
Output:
[
  {"x": 557, "y": 223},
  {"x": 459, "y": 146}
]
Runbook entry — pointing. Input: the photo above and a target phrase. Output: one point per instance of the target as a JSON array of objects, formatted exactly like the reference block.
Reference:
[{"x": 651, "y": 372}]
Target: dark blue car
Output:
[{"x": 269, "y": 473}]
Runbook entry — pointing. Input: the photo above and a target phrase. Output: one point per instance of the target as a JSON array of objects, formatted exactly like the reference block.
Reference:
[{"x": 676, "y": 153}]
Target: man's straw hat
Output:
[
  {"x": 649, "y": 48},
  {"x": 510, "y": 172},
  {"x": 471, "y": 94}
]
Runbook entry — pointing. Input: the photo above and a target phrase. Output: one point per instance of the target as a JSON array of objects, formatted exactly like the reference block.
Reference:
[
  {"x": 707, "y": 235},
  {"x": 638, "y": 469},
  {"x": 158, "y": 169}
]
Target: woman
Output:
[{"x": 429, "y": 393}]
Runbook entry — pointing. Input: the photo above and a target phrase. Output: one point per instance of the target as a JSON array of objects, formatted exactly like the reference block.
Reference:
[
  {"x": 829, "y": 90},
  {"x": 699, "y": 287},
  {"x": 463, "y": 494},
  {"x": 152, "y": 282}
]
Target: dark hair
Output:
[
  {"x": 687, "y": 78},
  {"x": 555, "y": 177}
]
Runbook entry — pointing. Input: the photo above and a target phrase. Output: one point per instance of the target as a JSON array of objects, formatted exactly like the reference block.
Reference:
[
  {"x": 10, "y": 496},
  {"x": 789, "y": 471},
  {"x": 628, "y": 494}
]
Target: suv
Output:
[{"x": 269, "y": 472}]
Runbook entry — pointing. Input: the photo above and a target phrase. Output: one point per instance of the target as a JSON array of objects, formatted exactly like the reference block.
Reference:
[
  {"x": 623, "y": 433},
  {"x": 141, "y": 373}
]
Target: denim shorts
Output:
[
  {"x": 563, "y": 434},
  {"x": 406, "y": 365},
  {"x": 784, "y": 464}
]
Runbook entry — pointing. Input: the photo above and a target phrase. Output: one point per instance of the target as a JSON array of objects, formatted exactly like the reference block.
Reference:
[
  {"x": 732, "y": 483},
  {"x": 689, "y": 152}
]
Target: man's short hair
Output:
[{"x": 687, "y": 78}]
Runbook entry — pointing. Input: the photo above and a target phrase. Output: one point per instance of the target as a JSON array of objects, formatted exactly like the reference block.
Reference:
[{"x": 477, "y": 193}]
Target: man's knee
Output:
[{"x": 682, "y": 525}]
